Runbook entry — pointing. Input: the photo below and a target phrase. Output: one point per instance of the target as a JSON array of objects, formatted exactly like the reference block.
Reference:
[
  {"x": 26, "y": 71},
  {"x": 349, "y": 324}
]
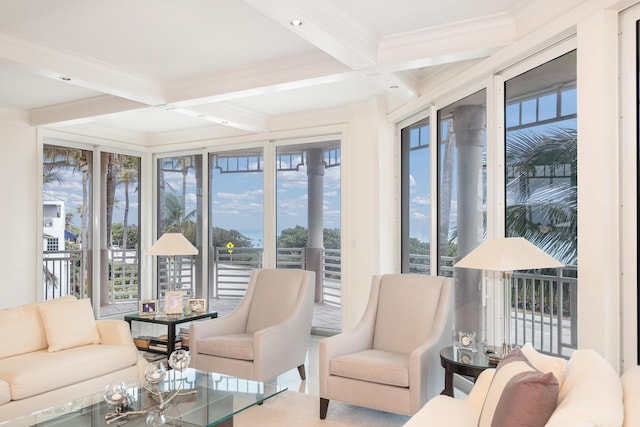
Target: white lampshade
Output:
[
  {"x": 508, "y": 254},
  {"x": 172, "y": 244}
]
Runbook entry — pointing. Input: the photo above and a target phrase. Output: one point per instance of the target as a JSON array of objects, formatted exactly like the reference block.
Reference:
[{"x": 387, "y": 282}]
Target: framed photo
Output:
[
  {"x": 197, "y": 305},
  {"x": 148, "y": 307},
  {"x": 173, "y": 302}
]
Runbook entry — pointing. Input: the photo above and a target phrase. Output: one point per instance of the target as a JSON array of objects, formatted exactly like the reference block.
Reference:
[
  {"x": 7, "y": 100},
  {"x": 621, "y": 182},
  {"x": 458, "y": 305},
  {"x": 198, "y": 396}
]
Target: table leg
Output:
[
  {"x": 448, "y": 381},
  {"x": 171, "y": 336}
]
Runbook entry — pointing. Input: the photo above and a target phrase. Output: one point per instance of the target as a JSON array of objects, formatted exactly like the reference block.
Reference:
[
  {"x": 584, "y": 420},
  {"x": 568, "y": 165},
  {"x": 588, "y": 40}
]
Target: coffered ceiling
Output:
[{"x": 230, "y": 66}]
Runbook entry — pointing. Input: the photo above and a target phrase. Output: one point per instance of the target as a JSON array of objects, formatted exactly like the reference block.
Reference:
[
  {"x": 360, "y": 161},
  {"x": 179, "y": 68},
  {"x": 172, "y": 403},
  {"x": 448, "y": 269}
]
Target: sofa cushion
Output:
[
  {"x": 376, "y": 366},
  {"x": 69, "y": 324},
  {"x": 237, "y": 346},
  {"x": 5, "y": 392},
  {"x": 591, "y": 393},
  {"x": 519, "y": 395},
  {"x": 631, "y": 390},
  {"x": 545, "y": 363},
  {"x": 22, "y": 327},
  {"x": 41, "y": 371}
]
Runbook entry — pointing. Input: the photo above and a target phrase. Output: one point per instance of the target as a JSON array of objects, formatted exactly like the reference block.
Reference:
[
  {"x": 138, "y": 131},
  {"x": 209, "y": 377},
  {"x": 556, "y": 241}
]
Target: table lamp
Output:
[
  {"x": 171, "y": 245},
  {"x": 506, "y": 254}
]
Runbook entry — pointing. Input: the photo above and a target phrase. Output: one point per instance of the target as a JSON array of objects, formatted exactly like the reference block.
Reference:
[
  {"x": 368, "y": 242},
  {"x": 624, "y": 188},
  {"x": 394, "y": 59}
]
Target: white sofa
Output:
[
  {"x": 589, "y": 393},
  {"x": 56, "y": 351}
]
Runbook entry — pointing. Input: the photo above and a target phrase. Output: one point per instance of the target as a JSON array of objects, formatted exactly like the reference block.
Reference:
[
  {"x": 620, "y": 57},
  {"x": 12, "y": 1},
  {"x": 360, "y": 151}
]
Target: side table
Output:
[
  {"x": 171, "y": 321},
  {"x": 463, "y": 362}
]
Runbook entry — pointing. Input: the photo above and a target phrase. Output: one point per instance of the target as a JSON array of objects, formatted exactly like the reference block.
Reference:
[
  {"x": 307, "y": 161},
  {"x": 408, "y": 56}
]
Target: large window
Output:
[
  {"x": 308, "y": 220},
  {"x": 236, "y": 211},
  {"x": 68, "y": 241},
  {"x": 67, "y": 211},
  {"x": 416, "y": 198},
  {"x": 180, "y": 211},
  {"x": 120, "y": 234},
  {"x": 541, "y": 198},
  {"x": 462, "y": 202}
]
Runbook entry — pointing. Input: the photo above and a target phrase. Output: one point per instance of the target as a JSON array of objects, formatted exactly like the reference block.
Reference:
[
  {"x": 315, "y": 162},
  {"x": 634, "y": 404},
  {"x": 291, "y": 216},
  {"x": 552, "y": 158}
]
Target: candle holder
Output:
[{"x": 117, "y": 396}]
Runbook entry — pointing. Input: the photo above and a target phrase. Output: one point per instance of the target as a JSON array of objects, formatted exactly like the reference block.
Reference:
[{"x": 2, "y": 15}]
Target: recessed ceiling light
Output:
[
  {"x": 65, "y": 78},
  {"x": 295, "y": 22}
]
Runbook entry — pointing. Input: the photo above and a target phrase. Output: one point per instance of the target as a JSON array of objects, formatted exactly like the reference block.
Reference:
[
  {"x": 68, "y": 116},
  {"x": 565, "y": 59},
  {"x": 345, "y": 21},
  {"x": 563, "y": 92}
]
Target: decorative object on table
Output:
[
  {"x": 465, "y": 355},
  {"x": 148, "y": 307},
  {"x": 117, "y": 396},
  {"x": 505, "y": 255},
  {"x": 171, "y": 245},
  {"x": 173, "y": 302},
  {"x": 467, "y": 340},
  {"x": 155, "y": 373},
  {"x": 197, "y": 305}
]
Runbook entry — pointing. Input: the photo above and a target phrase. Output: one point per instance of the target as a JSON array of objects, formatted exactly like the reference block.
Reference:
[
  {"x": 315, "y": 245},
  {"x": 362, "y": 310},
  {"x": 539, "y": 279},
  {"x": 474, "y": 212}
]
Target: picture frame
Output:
[
  {"x": 173, "y": 302},
  {"x": 197, "y": 305},
  {"x": 148, "y": 307}
]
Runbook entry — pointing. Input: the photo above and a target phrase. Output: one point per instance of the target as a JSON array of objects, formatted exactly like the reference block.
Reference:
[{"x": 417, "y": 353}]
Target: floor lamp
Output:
[
  {"x": 507, "y": 254},
  {"x": 171, "y": 245}
]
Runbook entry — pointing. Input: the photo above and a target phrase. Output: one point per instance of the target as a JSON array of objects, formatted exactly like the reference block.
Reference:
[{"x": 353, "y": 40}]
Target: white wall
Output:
[{"x": 18, "y": 228}]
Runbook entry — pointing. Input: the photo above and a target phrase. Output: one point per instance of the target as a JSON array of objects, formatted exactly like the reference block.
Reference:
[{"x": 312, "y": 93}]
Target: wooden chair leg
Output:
[
  {"x": 324, "y": 406},
  {"x": 302, "y": 372}
]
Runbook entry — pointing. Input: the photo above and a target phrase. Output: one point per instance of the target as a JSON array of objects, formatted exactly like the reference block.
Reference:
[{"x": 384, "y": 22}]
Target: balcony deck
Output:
[{"x": 325, "y": 316}]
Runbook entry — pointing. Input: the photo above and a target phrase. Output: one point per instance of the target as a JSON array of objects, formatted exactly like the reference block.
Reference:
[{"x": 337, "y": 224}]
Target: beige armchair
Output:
[
  {"x": 390, "y": 360},
  {"x": 266, "y": 335}
]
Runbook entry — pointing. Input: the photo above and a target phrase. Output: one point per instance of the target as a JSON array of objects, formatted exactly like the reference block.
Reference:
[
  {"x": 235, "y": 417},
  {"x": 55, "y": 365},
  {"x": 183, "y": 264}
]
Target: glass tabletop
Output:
[
  {"x": 203, "y": 399},
  {"x": 466, "y": 357}
]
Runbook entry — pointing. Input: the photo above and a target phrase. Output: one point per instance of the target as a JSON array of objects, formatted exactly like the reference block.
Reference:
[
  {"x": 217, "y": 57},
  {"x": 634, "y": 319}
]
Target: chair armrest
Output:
[{"x": 113, "y": 331}]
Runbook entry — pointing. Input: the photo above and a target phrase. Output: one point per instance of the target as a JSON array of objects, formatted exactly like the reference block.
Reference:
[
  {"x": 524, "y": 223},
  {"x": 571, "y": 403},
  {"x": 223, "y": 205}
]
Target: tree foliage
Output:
[
  {"x": 297, "y": 238},
  {"x": 220, "y": 237}
]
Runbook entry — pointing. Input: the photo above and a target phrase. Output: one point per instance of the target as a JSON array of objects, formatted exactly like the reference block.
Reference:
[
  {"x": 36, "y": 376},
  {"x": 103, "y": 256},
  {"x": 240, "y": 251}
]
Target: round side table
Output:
[{"x": 456, "y": 360}]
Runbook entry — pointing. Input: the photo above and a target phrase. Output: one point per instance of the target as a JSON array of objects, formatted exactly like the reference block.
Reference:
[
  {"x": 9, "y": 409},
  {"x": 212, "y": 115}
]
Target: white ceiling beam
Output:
[
  {"x": 81, "y": 111},
  {"x": 459, "y": 41},
  {"x": 229, "y": 115},
  {"x": 258, "y": 78},
  {"x": 326, "y": 26},
  {"x": 82, "y": 71}
]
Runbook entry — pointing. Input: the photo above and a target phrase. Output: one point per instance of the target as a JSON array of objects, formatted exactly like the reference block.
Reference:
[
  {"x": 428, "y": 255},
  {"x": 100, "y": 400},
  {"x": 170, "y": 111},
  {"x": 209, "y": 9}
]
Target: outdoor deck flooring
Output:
[{"x": 325, "y": 316}]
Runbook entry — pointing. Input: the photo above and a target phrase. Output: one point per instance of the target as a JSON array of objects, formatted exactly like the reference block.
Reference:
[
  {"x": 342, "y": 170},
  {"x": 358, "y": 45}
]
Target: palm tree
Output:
[
  {"x": 127, "y": 174},
  {"x": 542, "y": 190}
]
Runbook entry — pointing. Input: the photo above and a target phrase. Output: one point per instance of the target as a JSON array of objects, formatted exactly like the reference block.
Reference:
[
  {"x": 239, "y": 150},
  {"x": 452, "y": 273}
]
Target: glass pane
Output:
[
  {"x": 180, "y": 211},
  {"x": 120, "y": 254},
  {"x": 308, "y": 221},
  {"x": 416, "y": 198},
  {"x": 236, "y": 236},
  {"x": 462, "y": 190},
  {"x": 541, "y": 205},
  {"x": 67, "y": 213}
]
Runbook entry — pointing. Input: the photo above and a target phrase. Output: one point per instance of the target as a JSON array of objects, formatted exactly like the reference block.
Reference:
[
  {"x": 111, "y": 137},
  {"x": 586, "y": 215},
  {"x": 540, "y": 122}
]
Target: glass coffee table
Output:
[{"x": 205, "y": 399}]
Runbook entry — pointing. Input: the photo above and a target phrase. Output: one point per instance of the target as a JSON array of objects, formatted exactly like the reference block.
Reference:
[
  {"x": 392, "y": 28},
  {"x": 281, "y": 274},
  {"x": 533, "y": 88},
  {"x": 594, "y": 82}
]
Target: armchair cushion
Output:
[
  {"x": 375, "y": 366},
  {"x": 236, "y": 346},
  {"x": 272, "y": 301},
  {"x": 395, "y": 311}
]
